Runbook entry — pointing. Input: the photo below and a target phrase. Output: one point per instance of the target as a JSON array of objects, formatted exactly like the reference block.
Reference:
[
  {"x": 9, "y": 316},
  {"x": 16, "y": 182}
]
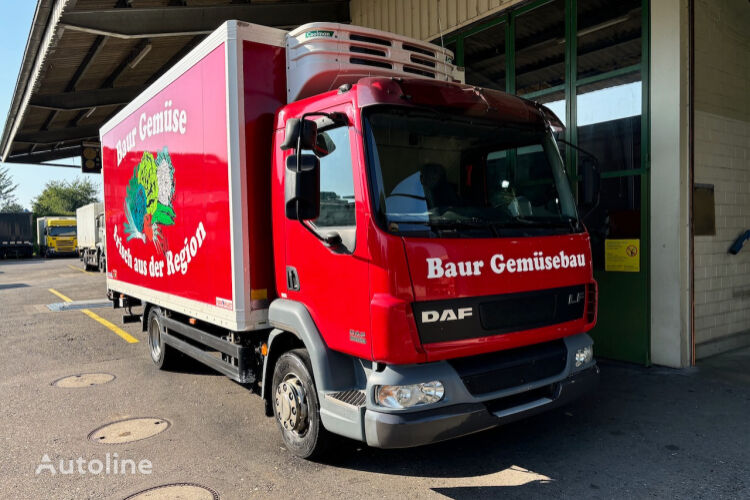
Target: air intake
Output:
[{"x": 324, "y": 56}]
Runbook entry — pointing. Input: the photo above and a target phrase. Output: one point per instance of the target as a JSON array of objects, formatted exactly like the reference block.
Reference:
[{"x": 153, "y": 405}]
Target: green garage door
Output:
[{"x": 588, "y": 61}]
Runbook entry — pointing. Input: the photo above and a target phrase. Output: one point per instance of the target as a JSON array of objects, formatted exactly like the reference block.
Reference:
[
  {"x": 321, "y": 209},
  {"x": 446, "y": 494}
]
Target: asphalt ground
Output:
[{"x": 646, "y": 432}]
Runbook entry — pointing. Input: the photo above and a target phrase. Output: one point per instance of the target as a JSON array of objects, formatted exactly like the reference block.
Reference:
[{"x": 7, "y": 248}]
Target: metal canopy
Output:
[{"x": 85, "y": 59}]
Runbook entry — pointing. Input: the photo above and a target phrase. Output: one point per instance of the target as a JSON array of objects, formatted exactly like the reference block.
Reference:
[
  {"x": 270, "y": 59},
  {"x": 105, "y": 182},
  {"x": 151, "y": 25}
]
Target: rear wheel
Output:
[
  {"x": 164, "y": 357},
  {"x": 296, "y": 408}
]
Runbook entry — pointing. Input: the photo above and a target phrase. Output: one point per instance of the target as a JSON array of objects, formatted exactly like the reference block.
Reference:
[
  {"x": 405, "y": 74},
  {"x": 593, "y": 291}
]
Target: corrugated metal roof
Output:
[{"x": 79, "y": 65}]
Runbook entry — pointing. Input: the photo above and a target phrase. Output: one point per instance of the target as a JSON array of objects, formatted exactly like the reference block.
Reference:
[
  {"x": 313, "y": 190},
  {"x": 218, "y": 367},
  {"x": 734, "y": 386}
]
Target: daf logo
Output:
[
  {"x": 446, "y": 315},
  {"x": 575, "y": 298}
]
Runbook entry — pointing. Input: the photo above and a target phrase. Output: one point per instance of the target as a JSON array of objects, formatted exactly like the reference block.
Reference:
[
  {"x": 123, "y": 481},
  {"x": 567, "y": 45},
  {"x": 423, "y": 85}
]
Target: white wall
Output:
[
  {"x": 722, "y": 158},
  {"x": 670, "y": 237}
]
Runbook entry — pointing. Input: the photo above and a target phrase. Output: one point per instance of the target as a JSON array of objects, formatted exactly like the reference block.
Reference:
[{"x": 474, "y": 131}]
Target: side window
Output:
[{"x": 337, "y": 186}]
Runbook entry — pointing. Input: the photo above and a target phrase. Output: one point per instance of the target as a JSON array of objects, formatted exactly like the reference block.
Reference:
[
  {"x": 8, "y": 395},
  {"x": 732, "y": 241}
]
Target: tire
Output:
[
  {"x": 294, "y": 394},
  {"x": 165, "y": 357}
]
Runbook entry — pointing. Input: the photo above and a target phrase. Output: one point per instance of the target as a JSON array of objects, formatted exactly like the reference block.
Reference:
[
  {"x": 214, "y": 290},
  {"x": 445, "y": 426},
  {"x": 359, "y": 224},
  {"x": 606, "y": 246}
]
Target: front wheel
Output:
[{"x": 295, "y": 406}]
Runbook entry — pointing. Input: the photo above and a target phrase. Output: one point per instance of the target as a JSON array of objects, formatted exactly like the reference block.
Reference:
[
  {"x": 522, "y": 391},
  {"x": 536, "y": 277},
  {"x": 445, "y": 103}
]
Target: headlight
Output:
[
  {"x": 584, "y": 355},
  {"x": 406, "y": 396}
]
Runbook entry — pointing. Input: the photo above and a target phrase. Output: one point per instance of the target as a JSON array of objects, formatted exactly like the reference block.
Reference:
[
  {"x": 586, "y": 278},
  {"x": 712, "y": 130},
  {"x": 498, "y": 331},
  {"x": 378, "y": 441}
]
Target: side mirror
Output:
[
  {"x": 302, "y": 187},
  {"x": 300, "y": 132},
  {"x": 323, "y": 145},
  {"x": 591, "y": 183}
]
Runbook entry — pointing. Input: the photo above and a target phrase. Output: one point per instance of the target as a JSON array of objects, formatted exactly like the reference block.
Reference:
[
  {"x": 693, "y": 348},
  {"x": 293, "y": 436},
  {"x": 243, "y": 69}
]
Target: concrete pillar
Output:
[{"x": 670, "y": 237}]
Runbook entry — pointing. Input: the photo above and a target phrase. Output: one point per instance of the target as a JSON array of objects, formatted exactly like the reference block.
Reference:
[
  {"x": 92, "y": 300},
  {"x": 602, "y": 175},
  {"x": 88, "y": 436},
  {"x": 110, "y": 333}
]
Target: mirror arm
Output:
[
  {"x": 578, "y": 148},
  {"x": 331, "y": 240},
  {"x": 596, "y": 165}
]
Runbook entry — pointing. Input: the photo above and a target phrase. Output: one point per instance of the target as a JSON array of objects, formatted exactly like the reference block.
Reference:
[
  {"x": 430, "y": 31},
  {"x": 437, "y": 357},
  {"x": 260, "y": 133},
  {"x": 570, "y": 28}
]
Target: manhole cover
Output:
[
  {"x": 181, "y": 491},
  {"x": 127, "y": 431},
  {"x": 84, "y": 380}
]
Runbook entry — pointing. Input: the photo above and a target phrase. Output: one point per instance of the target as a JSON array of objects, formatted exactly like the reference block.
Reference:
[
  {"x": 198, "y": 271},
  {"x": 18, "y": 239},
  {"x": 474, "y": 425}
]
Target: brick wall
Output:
[{"x": 722, "y": 158}]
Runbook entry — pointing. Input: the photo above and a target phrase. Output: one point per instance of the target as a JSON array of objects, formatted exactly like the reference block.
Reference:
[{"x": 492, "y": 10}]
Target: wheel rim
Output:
[
  {"x": 290, "y": 401},
  {"x": 154, "y": 339}
]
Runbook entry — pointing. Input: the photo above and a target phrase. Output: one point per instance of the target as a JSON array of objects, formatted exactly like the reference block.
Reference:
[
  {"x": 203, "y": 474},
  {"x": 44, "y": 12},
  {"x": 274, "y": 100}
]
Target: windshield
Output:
[
  {"x": 438, "y": 175},
  {"x": 61, "y": 230}
]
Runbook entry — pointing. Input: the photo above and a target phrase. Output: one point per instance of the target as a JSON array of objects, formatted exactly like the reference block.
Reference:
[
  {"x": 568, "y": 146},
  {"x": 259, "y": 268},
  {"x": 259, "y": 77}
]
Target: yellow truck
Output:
[{"x": 56, "y": 236}]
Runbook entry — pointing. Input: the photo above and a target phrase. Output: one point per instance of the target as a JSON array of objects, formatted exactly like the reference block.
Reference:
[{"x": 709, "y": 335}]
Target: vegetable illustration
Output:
[{"x": 148, "y": 200}]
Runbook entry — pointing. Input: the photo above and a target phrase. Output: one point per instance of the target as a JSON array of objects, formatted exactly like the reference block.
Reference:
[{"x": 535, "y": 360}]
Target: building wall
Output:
[
  {"x": 422, "y": 19},
  {"x": 722, "y": 158}
]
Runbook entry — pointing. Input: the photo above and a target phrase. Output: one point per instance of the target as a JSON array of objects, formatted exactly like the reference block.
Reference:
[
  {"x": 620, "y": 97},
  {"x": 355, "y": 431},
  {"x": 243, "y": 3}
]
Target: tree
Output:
[
  {"x": 64, "y": 197},
  {"x": 12, "y": 207},
  {"x": 8, "y": 201}
]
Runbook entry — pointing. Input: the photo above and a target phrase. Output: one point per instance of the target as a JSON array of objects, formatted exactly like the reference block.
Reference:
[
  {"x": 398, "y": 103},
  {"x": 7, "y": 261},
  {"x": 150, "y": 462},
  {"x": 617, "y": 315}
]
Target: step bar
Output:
[{"x": 241, "y": 372}]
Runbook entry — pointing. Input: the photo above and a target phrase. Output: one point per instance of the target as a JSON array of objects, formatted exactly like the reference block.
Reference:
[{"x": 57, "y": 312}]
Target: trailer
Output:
[
  {"x": 332, "y": 218},
  {"x": 90, "y": 235},
  {"x": 16, "y": 235}
]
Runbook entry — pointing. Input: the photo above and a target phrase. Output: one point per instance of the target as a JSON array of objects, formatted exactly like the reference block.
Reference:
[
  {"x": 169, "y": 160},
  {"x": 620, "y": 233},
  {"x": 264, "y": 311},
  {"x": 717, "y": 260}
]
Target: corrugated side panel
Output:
[{"x": 423, "y": 19}]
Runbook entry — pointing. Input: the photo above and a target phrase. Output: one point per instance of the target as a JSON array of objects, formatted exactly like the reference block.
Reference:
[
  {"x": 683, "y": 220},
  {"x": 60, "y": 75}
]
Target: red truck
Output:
[{"x": 331, "y": 217}]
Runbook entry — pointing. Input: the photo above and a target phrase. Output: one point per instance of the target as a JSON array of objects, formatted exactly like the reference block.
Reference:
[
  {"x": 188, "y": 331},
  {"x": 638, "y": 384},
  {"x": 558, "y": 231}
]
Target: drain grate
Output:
[
  {"x": 186, "y": 491},
  {"x": 83, "y": 380},
  {"x": 129, "y": 430},
  {"x": 78, "y": 304}
]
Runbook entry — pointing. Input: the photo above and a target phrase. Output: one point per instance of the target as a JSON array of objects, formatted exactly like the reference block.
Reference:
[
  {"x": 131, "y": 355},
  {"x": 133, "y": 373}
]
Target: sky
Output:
[{"x": 15, "y": 23}]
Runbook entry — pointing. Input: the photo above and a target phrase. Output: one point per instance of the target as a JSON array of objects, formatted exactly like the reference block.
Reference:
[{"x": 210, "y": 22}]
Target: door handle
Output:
[{"x": 292, "y": 279}]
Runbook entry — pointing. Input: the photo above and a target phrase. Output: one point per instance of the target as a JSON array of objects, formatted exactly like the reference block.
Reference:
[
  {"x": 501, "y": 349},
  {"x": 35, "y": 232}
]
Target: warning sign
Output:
[{"x": 622, "y": 256}]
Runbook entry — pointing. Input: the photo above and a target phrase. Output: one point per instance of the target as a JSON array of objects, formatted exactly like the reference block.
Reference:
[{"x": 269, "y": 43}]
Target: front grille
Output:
[
  {"x": 505, "y": 369},
  {"x": 483, "y": 316},
  {"x": 524, "y": 311}
]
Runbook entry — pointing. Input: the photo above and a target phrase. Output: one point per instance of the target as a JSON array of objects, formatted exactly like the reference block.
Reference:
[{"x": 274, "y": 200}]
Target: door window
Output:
[{"x": 336, "y": 186}]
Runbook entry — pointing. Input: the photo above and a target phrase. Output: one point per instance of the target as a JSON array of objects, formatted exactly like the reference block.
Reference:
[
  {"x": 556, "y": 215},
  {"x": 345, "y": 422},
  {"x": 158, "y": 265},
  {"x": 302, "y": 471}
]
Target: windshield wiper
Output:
[
  {"x": 453, "y": 223},
  {"x": 495, "y": 226},
  {"x": 570, "y": 222}
]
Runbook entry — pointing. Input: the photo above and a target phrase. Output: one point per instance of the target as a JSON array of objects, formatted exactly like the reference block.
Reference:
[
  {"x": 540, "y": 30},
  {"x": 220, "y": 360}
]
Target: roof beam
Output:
[
  {"x": 42, "y": 156},
  {"x": 176, "y": 58},
  {"x": 127, "y": 61},
  {"x": 175, "y": 21},
  {"x": 58, "y": 135},
  {"x": 94, "y": 50},
  {"x": 83, "y": 99}
]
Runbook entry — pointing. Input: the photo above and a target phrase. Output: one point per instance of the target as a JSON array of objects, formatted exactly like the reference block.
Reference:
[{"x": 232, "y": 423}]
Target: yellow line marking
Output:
[
  {"x": 65, "y": 298},
  {"x": 119, "y": 331},
  {"x": 79, "y": 269}
]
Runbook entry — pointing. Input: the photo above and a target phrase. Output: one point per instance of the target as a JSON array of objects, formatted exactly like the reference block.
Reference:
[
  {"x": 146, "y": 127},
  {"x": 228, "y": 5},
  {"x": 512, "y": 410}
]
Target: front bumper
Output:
[
  {"x": 463, "y": 412},
  {"x": 389, "y": 430},
  {"x": 63, "y": 251}
]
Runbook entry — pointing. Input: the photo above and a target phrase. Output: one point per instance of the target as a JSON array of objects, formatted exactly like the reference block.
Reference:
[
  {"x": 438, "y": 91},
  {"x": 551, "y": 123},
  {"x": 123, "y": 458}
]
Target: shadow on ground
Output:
[{"x": 646, "y": 431}]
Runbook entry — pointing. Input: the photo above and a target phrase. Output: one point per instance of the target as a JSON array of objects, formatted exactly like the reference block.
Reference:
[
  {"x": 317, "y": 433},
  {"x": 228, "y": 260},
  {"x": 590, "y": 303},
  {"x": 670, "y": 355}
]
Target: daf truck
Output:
[
  {"x": 56, "y": 236},
  {"x": 90, "y": 235},
  {"x": 331, "y": 217}
]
